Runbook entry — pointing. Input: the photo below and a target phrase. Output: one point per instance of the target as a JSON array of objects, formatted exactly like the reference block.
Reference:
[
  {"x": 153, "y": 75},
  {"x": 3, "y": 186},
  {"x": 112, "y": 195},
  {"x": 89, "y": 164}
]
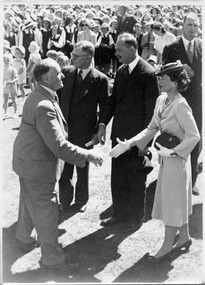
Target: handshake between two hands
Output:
[{"x": 122, "y": 147}]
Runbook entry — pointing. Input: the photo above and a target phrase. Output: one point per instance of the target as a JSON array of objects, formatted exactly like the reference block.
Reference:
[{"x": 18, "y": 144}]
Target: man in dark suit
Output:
[
  {"x": 82, "y": 102},
  {"x": 131, "y": 105},
  {"x": 179, "y": 50},
  {"x": 125, "y": 22},
  {"x": 38, "y": 153}
]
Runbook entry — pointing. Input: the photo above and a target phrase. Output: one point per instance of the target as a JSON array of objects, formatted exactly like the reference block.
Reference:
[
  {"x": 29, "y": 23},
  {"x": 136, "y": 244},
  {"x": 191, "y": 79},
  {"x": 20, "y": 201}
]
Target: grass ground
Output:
[{"x": 105, "y": 254}]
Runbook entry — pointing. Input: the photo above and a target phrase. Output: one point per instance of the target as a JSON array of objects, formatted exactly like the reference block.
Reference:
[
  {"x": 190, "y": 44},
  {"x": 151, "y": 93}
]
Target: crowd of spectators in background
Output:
[{"x": 32, "y": 32}]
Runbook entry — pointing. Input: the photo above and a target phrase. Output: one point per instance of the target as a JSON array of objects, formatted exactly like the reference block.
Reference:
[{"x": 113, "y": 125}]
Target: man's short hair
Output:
[
  {"x": 42, "y": 67},
  {"x": 129, "y": 40},
  {"x": 191, "y": 15},
  {"x": 86, "y": 46}
]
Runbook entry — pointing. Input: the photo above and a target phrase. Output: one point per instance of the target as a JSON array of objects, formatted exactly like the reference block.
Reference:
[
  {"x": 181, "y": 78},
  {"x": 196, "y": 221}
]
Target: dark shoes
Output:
[
  {"x": 182, "y": 248},
  {"x": 195, "y": 191},
  {"x": 156, "y": 260},
  {"x": 63, "y": 267},
  {"x": 166, "y": 257},
  {"x": 80, "y": 207},
  {"x": 131, "y": 227},
  {"x": 127, "y": 226},
  {"x": 63, "y": 209},
  {"x": 111, "y": 221}
]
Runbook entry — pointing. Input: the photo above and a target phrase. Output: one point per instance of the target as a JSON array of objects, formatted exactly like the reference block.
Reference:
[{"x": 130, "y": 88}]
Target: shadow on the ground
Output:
[
  {"x": 94, "y": 252},
  {"x": 150, "y": 192},
  {"x": 160, "y": 273},
  {"x": 196, "y": 222},
  {"x": 144, "y": 272}
]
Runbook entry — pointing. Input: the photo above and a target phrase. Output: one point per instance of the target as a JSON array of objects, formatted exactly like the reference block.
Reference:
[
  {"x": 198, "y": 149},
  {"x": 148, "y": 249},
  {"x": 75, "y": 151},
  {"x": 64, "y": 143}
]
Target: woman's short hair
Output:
[
  {"x": 182, "y": 77},
  {"x": 86, "y": 21}
]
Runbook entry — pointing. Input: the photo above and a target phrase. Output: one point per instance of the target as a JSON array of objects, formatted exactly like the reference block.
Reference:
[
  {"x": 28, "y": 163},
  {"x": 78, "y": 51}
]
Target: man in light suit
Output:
[
  {"x": 179, "y": 50},
  {"x": 131, "y": 105},
  {"x": 82, "y": 104},
  {"x": 39, "y": 152}
]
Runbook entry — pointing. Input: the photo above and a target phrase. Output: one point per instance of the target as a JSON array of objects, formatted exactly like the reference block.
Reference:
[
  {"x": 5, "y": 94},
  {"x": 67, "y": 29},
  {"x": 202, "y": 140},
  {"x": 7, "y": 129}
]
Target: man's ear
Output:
[
  {"x": 46, "y": 77},
  {"x": 132, "y": 49}
]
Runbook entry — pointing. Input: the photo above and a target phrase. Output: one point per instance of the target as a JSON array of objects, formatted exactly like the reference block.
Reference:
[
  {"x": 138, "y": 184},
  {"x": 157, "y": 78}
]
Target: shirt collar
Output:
[
  {"x": 106, "y": 34},
  {"x": 85, "y": 71},
  {"x": 52, "y": 92},
  {"x": 186, "y": 42},
  {"x": 133, "y": 63}
]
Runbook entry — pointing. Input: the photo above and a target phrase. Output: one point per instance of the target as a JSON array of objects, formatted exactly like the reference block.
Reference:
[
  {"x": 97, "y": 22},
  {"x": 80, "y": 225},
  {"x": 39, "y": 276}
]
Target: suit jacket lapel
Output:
[
  {"x": 197, "y": 51},
  {"x": 87, "y": 83},
  {"x": 134, "y": 76},
  {"x": 59, "y": 111},
  {"x": 183, "y": 53},
  {"x": 66, "y": 94},
  {"x": 50, "y": 97}
]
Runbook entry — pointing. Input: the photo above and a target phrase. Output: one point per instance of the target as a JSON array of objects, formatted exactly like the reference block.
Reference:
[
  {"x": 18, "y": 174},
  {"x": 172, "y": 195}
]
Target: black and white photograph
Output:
[{"x": 102, "y": 142}]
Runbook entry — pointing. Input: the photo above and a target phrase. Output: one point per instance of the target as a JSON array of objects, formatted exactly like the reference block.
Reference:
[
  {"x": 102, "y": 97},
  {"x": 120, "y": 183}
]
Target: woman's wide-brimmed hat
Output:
[
  {"x": 21, "y": 48},
  {"x": 7, "y": 44},
  {"x": 46, "y": 19},
  {"x": 172, "y": 66}
]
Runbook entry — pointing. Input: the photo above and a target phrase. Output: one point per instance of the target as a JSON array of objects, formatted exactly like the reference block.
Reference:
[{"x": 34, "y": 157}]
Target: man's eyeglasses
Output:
[
  {"x": 75, "y": 56},
  {"x": 84, "y": 25}
]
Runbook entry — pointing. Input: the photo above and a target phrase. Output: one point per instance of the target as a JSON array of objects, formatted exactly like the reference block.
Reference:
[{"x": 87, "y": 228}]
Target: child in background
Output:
[
  {"x": 113, "y": 33},
  {"x": 105, "y": 43},
  {"x": 20, "y": 64},
  {"x": 9, "y": 85},
  {"x": 63, "y": 61},
  {"x": 52, "y": 54},
  {"x": 7, "y": 49},
  {"x": 59, "y": 53},
  {"x": 34, "y": 57}
]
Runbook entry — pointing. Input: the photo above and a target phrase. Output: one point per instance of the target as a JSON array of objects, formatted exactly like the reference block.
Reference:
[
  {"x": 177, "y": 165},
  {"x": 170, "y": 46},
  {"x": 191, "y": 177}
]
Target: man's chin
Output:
[{"x": 60, "y": 86}]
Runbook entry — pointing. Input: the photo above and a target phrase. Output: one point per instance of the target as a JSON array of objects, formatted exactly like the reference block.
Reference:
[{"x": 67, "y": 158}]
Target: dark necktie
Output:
[
  {"x": 56, "y": 98},
  {"x": 190, "y": 52},
  {"x": 126, "y": 72},
  {"x": 80, "y": 77}
]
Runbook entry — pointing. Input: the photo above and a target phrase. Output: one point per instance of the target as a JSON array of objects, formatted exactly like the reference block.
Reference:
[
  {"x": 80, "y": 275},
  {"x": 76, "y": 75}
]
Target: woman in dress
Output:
[
  {"x": 86, "y": 34},
  {"x": 172, "y": 114}
]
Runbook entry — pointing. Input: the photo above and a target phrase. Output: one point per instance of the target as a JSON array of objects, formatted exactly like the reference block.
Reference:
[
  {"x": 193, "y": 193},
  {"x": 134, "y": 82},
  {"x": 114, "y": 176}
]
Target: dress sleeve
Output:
[
  {"x": 191, "y": 134},
  {"x": 144, "y": 137}
]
